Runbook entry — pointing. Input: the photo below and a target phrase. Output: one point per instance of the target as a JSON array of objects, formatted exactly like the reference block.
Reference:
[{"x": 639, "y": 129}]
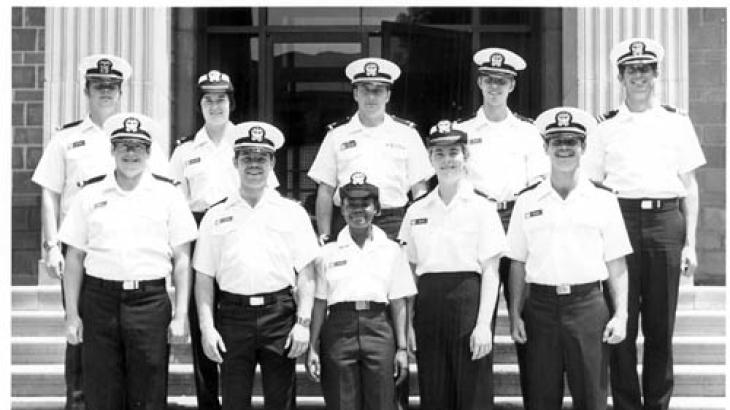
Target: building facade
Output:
[{"x": 287, "y": 65}]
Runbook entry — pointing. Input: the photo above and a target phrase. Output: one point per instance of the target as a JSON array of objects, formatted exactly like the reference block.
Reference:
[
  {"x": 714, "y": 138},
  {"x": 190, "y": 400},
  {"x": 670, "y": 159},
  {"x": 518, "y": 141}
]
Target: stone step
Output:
[
  {"x": 48, "y": 297},
  {"x": 317, "y": 403},
  {"x": 48, "y": 380},
  {"x": 687, "y": 350},
  {"x": 688, "y": 323}
]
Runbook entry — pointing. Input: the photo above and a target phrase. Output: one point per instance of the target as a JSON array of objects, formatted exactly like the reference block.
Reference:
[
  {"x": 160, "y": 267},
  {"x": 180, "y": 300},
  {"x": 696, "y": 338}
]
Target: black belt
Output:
[
  {"x": 93, "y": 281},
  {"x": 564, "y": 290},
  {"x": 260, "y": 299},
  {"x": 649, "y": 204},
  {"x": 358, "y": 306}
]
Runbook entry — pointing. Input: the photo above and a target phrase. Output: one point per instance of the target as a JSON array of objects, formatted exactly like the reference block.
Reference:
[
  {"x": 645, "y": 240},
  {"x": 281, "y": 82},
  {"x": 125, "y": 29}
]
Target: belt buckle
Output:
[
  {"x": 362, "y": 305},
  {"x": 562, "y": 289},
  {"x": 501, "y": 205},
  {"x": 256, "y": 300},
  {"x": 130, "y": 284},
  {"x": 647, "y": 204}
]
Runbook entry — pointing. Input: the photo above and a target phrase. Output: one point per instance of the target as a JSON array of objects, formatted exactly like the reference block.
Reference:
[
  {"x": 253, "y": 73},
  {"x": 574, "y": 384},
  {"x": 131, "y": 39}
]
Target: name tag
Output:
[
  {"x": 348, "y": 145},
  {"x": 337, "y": 263},
  {"x": 223, "y": 220},
  {"x": 193, "y": 161},
  {"x": 419, "y": 221},
  {"x": 100, "y": 204},
  {"x": 76, "y": 144},
  {"x": 475, "y": 141},
  {"x": 534, "y": 213}
]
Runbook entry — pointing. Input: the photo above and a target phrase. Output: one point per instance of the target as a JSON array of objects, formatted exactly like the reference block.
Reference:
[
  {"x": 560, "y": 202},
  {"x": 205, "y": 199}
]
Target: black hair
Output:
[{"x": 622, "y": 68}]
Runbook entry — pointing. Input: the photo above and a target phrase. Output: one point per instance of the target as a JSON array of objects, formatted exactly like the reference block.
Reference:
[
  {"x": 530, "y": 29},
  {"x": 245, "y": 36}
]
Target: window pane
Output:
[
  {"x": 313, "y": 16},
  {"x": 232, "y": 16},
  {"x": 373, "y": 16},
  {"x": 238, "y": 56},
  {"x": 436, "y": 15}
]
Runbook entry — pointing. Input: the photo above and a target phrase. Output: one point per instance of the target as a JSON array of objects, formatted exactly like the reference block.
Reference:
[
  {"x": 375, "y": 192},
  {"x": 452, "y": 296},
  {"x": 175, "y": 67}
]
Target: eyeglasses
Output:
[
  {"x": 563, "y": 142},
  {"x": 135, "y": 147},
  {"x": 638, "y": 69},
  {"x": 496, "y": 80}
]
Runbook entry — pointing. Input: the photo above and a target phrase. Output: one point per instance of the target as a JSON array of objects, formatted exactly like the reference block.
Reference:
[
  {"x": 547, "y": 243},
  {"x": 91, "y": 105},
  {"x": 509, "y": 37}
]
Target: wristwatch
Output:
[
  {"x": 48, "y": 245},
  {"x": 304, "y": 321}
]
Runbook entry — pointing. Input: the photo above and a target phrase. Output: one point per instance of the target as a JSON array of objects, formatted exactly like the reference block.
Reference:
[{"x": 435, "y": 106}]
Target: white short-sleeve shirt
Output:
[
  {"x": 377, "y": 272},
  {"x": 255, "y": 250},
  {"x": 643, "y": 154},
  {"x": 206, "y": 171},
  {"x": 391, "y": 154},
  {"x": 79, "y": 152},
  {"x": 460, "y": 236},
  {"x": 567, "y": 241},
  {"x": 128, "y": 235},
  {"x": 505, "y": 156}
]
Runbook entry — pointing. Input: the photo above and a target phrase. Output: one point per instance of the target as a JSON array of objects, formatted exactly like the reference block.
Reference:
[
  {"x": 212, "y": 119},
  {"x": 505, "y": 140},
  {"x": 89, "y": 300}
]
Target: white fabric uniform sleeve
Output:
[
  {"x": 74, "y": 229},
  {"x": 158, "y": 163},
  {"x": 207, "y": 249},
  {"x": 419, "y": 167},
  {"x": 401, "y": 278},
  {"x": 690, "y": 154},
  {"x": 516, "y": 238},
  {"x": 324, "y": 167},
  {"x": 616, "y": 241},
  {"x": 538, "y": 163},
  {"x": 321, "y": 290},
  {"x": 492, "y": 241},
  {"x": 51, "y": 169},
  {"x": 177, "y": 170},
  {"x": 592, "y": 163},
  {"x": 405, "y": 235},
  {"x": 182, "y": 226},
  {"x": 305, "y": 246}
]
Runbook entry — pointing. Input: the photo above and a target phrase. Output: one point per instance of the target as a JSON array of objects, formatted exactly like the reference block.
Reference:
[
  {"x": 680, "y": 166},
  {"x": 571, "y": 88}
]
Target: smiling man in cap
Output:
[
  {"x": 126, "y": 231},
  {"x": 257, "y": 247},
  {"x": 566, "y": 239},
  {"x": 648, "y": 153}
]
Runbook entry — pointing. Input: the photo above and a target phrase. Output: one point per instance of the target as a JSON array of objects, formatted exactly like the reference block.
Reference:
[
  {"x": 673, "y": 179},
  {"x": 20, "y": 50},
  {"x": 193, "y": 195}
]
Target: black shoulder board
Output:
[
  {"x": 673, "y": 109},
  {"x": 404, "y": 122},
  {"x": 482, "y": 194},
  {"x": 71, "y": 124},
  {"x": 607, "y": 116},
  {"x": 164, "y": 179},
  {"x": 460, "y": 120},
  {"x": 91, "y": 180},
  {"x": 337, "y": 123},
  {"x": 185, "y": 139},
  {"x": 523, "y": 118},
  {"x": 217, "y": 203},
  {"x": 601, "y": 186},
  {"x": 531, "y": 187}
]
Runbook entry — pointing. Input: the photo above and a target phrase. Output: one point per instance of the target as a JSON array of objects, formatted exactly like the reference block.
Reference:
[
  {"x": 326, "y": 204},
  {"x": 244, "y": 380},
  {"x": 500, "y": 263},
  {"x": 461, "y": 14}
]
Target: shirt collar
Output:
[
  {"x": 146, "y": 182},
  {"x": 582, "y": 188},
  {"x": 270, "y": 195},
  {"x": 87, "y": 124},
  {"x": 623, "y": 109},
  {"x": 357, "y": 125},
  {"x": 202, "y": 137},
  {"x": 465, "y": 190},
  {"x": 482, "y": 119},
  {"x": 345, "y": 239}
]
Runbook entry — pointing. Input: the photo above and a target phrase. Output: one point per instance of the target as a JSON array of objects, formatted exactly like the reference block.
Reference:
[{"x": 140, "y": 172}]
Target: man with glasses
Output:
[
  {"x": 506, "y": 149},
  {"x": 566, "y": 238},
  {"x": 76, "y": 153},
  {"x": 260, "y": 249},
  {"x": 648, "y": 153},
  {"x": 126, "y": 232}
]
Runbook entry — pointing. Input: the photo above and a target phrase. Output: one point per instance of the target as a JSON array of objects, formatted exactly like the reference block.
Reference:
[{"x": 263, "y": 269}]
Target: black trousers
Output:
[
  {"x": 446, "y": 312},
  {"x": 72, "y": 371},
  {"x": 205, "y": 371},
  {"x": 657, "y": 237},
  {"x": 564, "y": 336},
  {"x": 256, "y": 335},
  {"x": 357, "y": 351},
  {"x": 389, "y": 221},
  {"x": 125, "y": 353},
  {"x": 520, "y": 348}
]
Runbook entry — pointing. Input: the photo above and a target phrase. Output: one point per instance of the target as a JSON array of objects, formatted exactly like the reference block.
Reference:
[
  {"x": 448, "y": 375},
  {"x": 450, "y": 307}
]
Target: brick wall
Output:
[
  {"x": 707, "y": 87},
  {"x": 27, "y": 121}
]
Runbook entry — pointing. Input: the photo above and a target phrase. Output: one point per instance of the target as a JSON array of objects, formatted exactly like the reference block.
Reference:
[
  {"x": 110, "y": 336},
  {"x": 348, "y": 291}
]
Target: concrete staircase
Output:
[{"x": 38, "y": 350}]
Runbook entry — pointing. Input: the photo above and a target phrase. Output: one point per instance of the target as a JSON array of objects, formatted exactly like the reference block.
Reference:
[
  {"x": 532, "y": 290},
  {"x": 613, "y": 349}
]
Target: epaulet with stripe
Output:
[
  {"x": 91, "y": 180},
  {"x": 70, "y": 124},
  {"x": 606, "y": 116},
  {"x": 164, "y": 179},
  {"x": 337, "y": 123},
  {"x": 403, "y": 121},
  {"x": 425, "y": 194},
  {"x": 601, "y": 186},
  {"x": 523, "y": 118},
  {"x": 460, "y": 120},
  {"x": 482, "y": 194},
  {"x": 529, "y": 188},
  {"x": 183, "y": 140},
  {"x": 674, "y": 109}
]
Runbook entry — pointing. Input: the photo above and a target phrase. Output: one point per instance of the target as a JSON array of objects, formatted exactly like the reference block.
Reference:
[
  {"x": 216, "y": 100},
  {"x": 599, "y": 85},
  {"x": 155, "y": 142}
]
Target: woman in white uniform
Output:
[
  {"x": 454, "y": 240},
  {"x": 361, "y": 275}
]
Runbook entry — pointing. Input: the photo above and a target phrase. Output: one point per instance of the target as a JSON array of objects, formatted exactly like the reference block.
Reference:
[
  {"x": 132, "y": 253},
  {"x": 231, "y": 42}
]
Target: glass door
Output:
[{"x": 307, "y": 89}]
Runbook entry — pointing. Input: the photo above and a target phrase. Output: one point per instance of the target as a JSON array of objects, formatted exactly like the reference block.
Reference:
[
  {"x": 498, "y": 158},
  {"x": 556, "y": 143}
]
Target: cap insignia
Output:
[
  {"x": 563, "y": 118},
  {"x": 371, "y": 69},
  {"x": 104, "y": 65},
  {"x": 358, "y": 178},
  {"x": 131, "y": 124},
  {"x": 637, "y": 48},
  {"x": 443, "y": 126},
  {"x": 496, "y": 60},
  {"x": 257, "y": 134}
]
